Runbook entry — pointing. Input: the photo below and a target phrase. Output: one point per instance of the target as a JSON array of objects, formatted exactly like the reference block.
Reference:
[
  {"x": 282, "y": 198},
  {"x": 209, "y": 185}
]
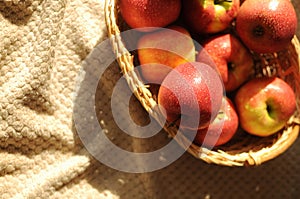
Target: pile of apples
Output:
[{"x": 193, "y": 79}]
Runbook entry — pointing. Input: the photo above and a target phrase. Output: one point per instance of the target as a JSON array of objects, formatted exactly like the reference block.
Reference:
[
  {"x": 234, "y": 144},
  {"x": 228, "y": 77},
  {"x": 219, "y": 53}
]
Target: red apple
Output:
[
  {"x": 266, "y": 25},
  {"x": 191, "y": 95},
  {"x": 231, "y": 57},
  {"x": 209, "y": 16},
  {"x": 264, "y": 105},
  {"x": 162, "y": 50},
  {"x": 222, "y": 129},
  {"x": 149, "y": 14}
]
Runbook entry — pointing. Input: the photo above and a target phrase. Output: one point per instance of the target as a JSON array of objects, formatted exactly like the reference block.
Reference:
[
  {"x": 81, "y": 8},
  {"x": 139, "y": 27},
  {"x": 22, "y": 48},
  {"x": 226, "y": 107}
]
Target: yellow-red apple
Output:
[
  {"x": 209, "y": 16},
  {"x": 264, "y": 105},
  {"x": 162, "y": 50}
]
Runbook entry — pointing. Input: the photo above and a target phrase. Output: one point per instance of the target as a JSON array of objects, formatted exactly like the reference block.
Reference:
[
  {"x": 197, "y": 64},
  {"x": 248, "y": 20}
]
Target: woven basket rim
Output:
[{"x": 143, "y": 94}]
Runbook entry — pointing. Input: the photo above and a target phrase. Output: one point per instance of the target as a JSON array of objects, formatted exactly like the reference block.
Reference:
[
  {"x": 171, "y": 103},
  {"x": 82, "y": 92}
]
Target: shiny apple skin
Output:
[
  {"x": 266, "y": 26},
  {"x": 222, "y": 129},
  {"x": 264, "y": 105},
  {"x": 233, "y": 60},
  {"x": 208, "y": 16},
  {"x": 191, "y": 95}
]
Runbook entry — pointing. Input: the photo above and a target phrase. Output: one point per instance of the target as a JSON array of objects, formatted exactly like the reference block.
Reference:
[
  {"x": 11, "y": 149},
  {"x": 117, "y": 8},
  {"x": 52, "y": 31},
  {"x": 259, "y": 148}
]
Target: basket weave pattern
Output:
[{"x": 245, "y": 149}]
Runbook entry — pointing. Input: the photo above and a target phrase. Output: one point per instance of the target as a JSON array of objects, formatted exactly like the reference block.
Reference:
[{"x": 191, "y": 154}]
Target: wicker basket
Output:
[{"x": 245, "y": 149}]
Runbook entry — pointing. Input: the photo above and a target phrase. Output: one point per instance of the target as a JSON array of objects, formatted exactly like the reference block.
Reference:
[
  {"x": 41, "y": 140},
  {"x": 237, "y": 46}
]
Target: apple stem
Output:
[
  {"x": 174, "y": 122},
  {"x": 220, "y": 1},
  {"x": 258, "y": 31},
  {"x": 231, "y": 66}
]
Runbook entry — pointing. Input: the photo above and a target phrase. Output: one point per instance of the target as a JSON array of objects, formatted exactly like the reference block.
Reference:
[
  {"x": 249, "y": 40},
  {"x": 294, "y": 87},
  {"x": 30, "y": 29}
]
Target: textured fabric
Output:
[{"x": 43, "y": 44}]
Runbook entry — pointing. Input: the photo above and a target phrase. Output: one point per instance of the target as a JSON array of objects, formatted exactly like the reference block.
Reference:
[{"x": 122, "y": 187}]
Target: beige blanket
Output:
[{"x": 43, "y": 44}]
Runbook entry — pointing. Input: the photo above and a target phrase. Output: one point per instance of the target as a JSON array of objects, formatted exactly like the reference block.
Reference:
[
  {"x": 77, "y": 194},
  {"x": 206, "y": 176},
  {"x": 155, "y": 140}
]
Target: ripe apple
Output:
[
  {"x": 209, "y": 16},
  {"x": 222, "y": 129},
  {"x": 149, "y": 14},
  {"x": 231, "y": 57},
  {"x": 266, "y": 25},
  {"x": 162, "y": 50},
  {"x": 191, "y": 95},
  {"x": 264, "y": 105}
]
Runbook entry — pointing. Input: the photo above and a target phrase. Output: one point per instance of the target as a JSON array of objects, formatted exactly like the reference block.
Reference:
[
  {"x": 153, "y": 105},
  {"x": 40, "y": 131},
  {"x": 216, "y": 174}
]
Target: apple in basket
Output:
[
  {"x": 209, "y": 16},
  {"x": 149, "y": 13},
  {"x": 221, "y": 130},
  {"x": 264, "y": 105},
  {"x": 266, "y": 26},
  {"x": 231, "y": 57},
  {"x": 162, "y": 50},
  {"x": 191, "y": 95}
]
